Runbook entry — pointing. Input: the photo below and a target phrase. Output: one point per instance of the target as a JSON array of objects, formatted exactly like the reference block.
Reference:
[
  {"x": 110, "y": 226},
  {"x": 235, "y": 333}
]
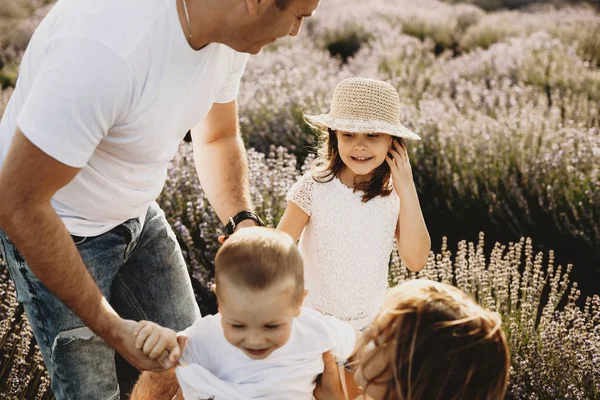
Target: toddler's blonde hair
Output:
[{"x": 256, "y": 258}]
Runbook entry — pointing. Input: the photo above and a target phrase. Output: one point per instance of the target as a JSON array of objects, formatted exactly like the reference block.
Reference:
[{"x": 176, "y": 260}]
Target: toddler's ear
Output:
[{"x": 301, "y": 302}]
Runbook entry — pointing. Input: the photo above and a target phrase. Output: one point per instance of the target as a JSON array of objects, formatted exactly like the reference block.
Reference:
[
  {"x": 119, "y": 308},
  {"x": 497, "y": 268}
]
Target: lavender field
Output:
[{"x": 507, "y": 101}]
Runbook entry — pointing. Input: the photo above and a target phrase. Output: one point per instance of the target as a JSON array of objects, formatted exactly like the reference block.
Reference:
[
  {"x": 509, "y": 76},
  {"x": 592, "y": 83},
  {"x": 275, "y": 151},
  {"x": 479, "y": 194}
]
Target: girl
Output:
[{"x": 359, "y": 196}]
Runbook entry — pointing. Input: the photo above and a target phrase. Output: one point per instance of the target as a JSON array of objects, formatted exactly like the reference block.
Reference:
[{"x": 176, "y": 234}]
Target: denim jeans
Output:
[{"x": 140, "y": 270}]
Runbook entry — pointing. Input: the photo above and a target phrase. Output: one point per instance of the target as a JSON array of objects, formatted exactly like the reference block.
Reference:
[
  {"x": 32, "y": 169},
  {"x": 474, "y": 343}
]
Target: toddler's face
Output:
[
  {"x": 257, "y": 321},
  {"x": 363, "y": 152}
]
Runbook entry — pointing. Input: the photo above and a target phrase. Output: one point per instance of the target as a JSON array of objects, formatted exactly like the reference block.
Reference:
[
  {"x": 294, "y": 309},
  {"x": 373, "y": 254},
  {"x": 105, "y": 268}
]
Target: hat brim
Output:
[{"x": 325, "y": 121}]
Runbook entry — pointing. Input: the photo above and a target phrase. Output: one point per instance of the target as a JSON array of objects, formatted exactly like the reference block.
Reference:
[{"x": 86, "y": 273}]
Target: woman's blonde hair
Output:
[
  {"x": 441, "y": 345},
  {"x": 328, "y": 165}
]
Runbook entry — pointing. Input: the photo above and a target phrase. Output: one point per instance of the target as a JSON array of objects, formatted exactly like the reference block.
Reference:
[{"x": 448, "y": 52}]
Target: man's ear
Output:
[{"x": 253, "y": 6}]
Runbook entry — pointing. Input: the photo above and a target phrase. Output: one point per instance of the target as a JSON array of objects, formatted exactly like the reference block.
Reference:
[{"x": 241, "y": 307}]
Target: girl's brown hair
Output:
[
  {"x": 329, "y": 164},
  {"x": 440, "y": 343}
]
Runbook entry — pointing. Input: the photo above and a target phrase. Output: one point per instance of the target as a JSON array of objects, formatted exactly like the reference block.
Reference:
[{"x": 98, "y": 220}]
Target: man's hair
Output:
[
  {"x": 282, "y": 4},
  {"x": 257, "y": 258},
  {"x": 442, "y": 345}
]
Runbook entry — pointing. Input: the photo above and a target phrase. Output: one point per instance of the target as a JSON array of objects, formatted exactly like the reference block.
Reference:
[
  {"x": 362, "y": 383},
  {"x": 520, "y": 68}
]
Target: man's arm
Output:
[
  {"x": 221, "y": 162},
  {"x": 28, "y": 180}
]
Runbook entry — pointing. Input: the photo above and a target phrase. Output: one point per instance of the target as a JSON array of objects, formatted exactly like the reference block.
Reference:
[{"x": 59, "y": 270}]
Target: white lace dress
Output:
[{"x": 346, "y": 247}]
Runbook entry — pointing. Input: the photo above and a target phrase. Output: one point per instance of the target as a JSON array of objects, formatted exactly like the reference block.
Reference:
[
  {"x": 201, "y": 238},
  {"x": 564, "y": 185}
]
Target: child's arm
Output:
[
  {"x": 412, "y": 236},
  {"x": 294, "y": 221},
  {"x": 299, "y": 207},
  {"x": 157, "y": 342}
]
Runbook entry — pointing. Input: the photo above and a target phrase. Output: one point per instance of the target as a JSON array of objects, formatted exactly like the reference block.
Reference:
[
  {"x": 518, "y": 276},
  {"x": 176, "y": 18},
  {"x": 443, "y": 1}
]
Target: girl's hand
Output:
[{"x": 399, "y": 164}]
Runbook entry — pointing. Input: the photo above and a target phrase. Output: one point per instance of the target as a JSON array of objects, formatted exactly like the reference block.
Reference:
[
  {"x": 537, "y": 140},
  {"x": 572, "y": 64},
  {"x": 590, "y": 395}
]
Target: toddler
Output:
[{"x": 262, "y": 343}]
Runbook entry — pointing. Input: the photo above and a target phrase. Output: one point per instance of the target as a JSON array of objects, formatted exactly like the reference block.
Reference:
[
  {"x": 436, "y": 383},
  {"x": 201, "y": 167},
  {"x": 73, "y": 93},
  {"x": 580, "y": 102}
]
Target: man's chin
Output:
[{"x": 255, "y": 49}]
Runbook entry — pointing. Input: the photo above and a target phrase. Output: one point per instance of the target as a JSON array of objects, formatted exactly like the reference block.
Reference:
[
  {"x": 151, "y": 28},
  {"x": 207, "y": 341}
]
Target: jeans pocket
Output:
[
  {"x": 3, "y": 262},
  {"x": 17, "y": 268},
  {"x": 79, "y": 239},
  {"x": 4, "y": 258}
]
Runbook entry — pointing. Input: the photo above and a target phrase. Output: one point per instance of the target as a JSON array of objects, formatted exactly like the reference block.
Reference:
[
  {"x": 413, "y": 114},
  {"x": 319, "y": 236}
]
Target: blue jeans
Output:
[{"x": 140, "y": 270}]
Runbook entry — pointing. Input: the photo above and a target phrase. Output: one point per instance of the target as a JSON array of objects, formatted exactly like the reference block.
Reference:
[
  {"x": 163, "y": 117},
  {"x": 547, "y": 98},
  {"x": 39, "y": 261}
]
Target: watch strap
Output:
[{"x": 239, "y": 217}]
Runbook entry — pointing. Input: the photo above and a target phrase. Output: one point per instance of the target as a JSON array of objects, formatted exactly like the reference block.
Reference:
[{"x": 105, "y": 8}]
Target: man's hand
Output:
[
  {"x": 329, "y": 384},
  {"x": 123, "y": 340}
]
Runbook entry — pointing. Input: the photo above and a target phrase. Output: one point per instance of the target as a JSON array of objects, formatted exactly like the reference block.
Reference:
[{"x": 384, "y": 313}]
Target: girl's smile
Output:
[{"x": 361, "y": 159}]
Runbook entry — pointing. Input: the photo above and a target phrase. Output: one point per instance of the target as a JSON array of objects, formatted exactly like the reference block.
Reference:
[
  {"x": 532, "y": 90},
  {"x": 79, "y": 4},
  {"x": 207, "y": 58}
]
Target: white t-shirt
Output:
[
  {"x": 215, "y": 369},
  {"x": 346, "y": 248},
  {"x": 112, "y": 87}
]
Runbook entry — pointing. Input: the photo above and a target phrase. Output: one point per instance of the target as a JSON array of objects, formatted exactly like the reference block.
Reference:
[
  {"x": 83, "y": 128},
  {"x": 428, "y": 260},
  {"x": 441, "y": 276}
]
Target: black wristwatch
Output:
[{"x": 239, "y": 217}]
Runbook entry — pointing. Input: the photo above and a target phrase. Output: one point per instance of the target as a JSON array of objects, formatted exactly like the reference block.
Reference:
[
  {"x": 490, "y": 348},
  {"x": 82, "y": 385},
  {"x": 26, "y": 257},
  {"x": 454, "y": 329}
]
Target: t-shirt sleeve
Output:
[
  {"x": 342, "y": 336},
  {"x": 301, "y": 193},
  {"x": 229, "y": 91},
  {"x": 81, "y": 89}
]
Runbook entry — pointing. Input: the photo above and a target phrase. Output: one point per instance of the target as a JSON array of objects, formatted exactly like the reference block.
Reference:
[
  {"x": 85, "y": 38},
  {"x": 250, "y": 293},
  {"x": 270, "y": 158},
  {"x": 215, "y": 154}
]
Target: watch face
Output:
[{"x": 230, "y": 227}]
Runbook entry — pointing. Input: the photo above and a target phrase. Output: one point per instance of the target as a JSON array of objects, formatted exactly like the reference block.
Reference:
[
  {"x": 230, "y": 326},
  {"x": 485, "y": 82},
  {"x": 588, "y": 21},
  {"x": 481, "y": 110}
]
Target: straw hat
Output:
[{"x": 364, "y": 105}]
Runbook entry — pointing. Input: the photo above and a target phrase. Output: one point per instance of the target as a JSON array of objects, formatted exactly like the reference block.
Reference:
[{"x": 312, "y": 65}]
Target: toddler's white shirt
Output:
[{"x": 215, "y": 369}]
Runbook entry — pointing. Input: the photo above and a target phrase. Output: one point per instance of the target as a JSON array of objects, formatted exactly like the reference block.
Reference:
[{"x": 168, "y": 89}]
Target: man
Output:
[{"x": 106, "y": 92}]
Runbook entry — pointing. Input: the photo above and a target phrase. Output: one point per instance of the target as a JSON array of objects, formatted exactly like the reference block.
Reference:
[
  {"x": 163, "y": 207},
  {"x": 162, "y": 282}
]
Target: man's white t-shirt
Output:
[
  {"x": 215, "y": 369},
  {"x": 112, "y": 87}
]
